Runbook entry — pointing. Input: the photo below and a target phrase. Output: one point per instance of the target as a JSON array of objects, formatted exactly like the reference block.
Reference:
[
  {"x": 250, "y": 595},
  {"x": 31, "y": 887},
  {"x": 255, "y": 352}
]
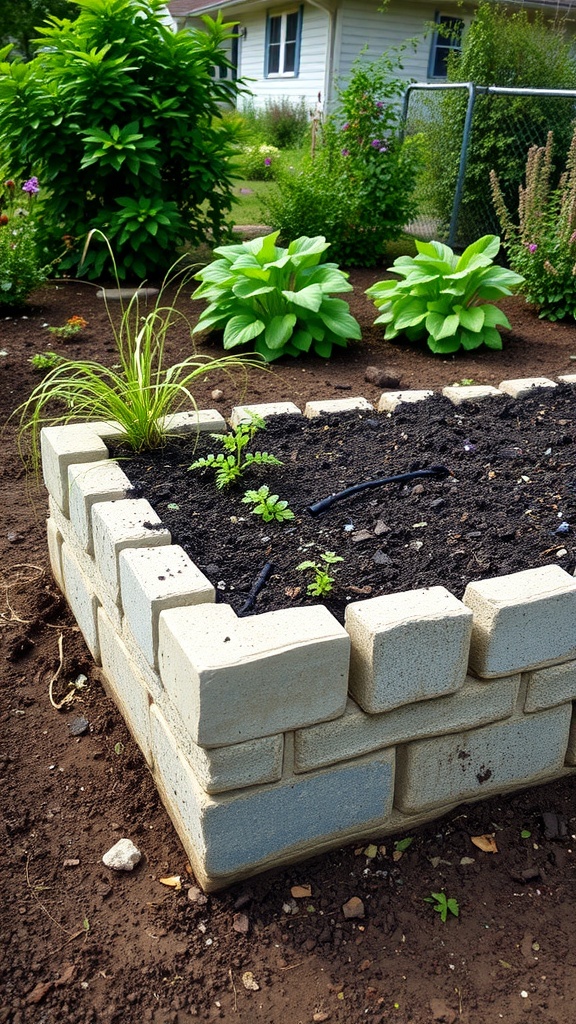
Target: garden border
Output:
[{"x": 418, "y": 703}]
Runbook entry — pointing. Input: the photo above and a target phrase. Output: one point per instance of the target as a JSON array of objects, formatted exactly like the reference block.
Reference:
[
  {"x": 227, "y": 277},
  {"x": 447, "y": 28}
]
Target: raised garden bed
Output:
[{"x": 259, "y": 754}]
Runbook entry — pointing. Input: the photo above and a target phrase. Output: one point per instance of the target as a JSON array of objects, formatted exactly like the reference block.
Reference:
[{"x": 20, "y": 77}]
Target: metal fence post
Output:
[{"x": 463, "y": 161}]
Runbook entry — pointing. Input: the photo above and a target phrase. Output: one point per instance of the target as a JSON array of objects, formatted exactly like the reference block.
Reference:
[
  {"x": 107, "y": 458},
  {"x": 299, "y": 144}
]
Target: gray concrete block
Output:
[
  {"x": 458, "y": 395},
  {"x": 335, "y": 405},
  {"x": 356, "y": 733},
  {"x": 243, "y": 413},
  {"x": 130, "y": 523},
  {"x": 390, "y": 400},
  {"x": 238, "y": 679},
  {"x": 61, "y": 447},
  {"x": 521, "y": 386},
  {"x": 571, "y": 748},
  {"x": 87, "y": 484},
  {"x": 522, "y": 621},
  {"x": 55, "y": 542},
  {"x": 549, "y": 687},
  {"x": 127, "y": 688},
  {"x": 407, "y": 647},
  {"x": 191, "y": 421},
  {"x": 153, "y": 579},
  {"x": 82, "y": 599},
  {"x": 493, "y": 759}
]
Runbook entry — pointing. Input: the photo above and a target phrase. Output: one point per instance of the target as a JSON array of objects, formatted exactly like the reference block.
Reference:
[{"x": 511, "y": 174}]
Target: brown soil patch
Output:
[{"x": 86, "y": 945}]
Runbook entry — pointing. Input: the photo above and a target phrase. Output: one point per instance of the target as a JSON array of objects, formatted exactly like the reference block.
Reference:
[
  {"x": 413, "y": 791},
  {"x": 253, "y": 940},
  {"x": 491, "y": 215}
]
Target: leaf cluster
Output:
[
  {"x": 121, "y": 118},
  {"x": 444, "y": 299},
  {"x": 230, "y": 467},
  {"x": 269, "y": 506},
  {"x": 443, "y": 905},
  {"x": 276, "y": 298},
  {"x": 322, "y": 582}
]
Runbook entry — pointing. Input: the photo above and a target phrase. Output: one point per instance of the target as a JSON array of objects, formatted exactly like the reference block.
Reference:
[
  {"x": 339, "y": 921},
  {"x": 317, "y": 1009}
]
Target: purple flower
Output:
[
  {"x": 376, "y": 143},
  {"x": 572, "y": 236},
  {"x": 345, "y": 152},
  {"x": 379, "y": 104},
  {"x": 532, "y": 247},
  {"x": 383, "y": 149},
  {"x": 31, "y": 186},
  {"x": 267, "y": 162},
  {"x": 345, "y": 127}
]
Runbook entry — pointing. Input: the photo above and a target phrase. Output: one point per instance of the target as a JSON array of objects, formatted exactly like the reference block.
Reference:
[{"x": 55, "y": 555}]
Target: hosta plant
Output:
[
  {"x": 276, "y": 299},
  {"x": 446, "y": 299}
]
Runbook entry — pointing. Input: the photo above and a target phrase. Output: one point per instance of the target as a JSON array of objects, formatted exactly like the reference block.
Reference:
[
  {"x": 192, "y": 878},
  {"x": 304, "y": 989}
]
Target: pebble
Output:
[
  {"x": 217, "y": 394},
  {"x": 381, "y": 558},
  {"x": 381, "y": 527},
  {"x": 78, "y": 726},
  {"x": 353, "y": 908},
  {"x": 361, "y": 537},
  {"x": 123, "y": 856}
]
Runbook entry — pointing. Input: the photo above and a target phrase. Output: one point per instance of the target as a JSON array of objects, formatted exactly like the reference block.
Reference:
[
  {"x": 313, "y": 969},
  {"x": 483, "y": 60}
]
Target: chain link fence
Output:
[{"x": 466, "y": 132}]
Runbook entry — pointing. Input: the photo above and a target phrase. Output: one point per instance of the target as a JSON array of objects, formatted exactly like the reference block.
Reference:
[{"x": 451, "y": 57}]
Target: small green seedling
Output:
[
  {"x": 267, "y": 505},
  {"x": 45, "y": 360},
  {"x": 322, "y": 582},
  {"x": 401, "y": 845},
  {"x": 443, "y": 905},
  {"x": 229, "y": 467}
]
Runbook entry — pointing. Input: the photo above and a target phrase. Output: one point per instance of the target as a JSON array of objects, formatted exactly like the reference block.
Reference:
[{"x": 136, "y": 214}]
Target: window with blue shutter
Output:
[
  {"x": 283, "y": 36},
  {"x": 444, "y": 41}
]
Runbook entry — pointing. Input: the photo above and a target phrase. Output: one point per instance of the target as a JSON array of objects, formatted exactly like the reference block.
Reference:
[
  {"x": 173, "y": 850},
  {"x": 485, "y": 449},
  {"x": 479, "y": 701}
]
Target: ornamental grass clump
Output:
[
  {"x": 542, "y": 246},
  {"x": 276, "y": 298},
  {"x": 444, "y": 299},
  {"x": 20, "y": 263}
]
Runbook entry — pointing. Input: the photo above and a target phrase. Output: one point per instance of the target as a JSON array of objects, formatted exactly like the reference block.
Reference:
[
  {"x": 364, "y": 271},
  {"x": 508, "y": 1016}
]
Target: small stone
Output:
[
  {"x": 14, "y": 538},
  {"x": 241, "y": 924},
  {"x": 217, "y": 394},
  {"x": 78, "y": 726},
  {"x": 381, "y": 558},
  {"x": 381, "y": 527},
  {"x": 353, "y": 908},
  {"x": 416, "y": 545},
  {"x": 320, "y": 1016},
  {"x": 195, "y": 895},
  {"x": 418, "y": 489},
  {"x": 123, "y": 856},
  {"x": 381, "y": 377},
  {"x": 361, "y": 537},
  {"x": 70, "y": 862}
]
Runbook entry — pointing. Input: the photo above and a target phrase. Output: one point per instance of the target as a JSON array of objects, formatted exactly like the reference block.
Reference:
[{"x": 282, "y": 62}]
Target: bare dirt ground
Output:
[{"x": 87, "y": 945}]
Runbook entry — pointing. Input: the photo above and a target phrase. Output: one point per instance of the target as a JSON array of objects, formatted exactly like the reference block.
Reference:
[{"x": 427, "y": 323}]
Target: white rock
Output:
[{"x": 123, "y": 856}]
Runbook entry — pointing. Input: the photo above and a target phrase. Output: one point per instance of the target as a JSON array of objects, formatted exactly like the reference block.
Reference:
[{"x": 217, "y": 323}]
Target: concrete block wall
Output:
[{"x": 276, "y": 736}]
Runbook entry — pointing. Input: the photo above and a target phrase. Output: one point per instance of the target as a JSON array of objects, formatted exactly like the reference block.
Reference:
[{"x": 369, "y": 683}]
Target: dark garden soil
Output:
[{"x": 85, "y": 945}]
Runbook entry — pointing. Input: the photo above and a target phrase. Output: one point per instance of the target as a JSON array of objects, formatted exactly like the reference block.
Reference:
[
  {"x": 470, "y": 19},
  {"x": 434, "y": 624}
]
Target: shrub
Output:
[
  {"x": 258, "y": 163},
  {"x": 122, "y": 118},
  {"x": 20, "y": 264},
  {"x": 504, "y": 49},
  {"x": 443, "y": 298},
  {"x": 280, "y": 122},
  {"x": 276, "y": 298},
  {"x": 542, "y": 247},
  {"x": 358, "y": 189}
]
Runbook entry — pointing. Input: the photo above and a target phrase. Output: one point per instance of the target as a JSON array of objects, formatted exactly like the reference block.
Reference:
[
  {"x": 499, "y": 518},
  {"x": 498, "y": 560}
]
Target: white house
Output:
[{"x": 299, "y": 49}]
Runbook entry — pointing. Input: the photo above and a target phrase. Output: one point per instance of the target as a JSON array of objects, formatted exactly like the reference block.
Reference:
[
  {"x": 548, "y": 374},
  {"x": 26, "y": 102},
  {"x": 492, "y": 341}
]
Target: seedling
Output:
[
  {"x": 443, "y": 905},
  {"x": 322, "y": 582},
  {"x": 267, "y": 505},
  {"x": 45, "y": 360},
  {"x": 229, "y": 468},
  {"x": 72, "y": 326},
  {"x": 401, "y": 845}
]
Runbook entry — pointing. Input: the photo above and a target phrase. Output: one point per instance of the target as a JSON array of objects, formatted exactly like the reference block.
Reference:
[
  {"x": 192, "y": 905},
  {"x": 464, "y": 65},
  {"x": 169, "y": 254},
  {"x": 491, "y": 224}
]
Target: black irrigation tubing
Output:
[
  {"x": 259, "y": 584},
  {"x": 439, "y": 472}
]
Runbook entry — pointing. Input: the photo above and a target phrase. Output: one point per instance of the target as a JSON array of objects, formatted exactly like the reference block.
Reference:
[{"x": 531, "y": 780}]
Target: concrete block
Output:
[
  {"x": 508, "y": 755},
  {"x": 221, "y": 769},
  {"x": 571, "y": 748},
  {"x": 568, "y": 378},
  {"x": 61, "y": 447},
  {"x": 470, "y": 393},
  {"x": 549, "y": 687},
  {"x": 131, "y": 523},
  {"x": 82, "y": 599},
  {"x": 238, "y": 679},
  {"x": 390, "y": 400},
  {"x": 117, "y": 294},
  {"x": 228, "y": 837},
  {"x": 521, "y": 386},
  {"x": 407, "y": 647},
  {"x": 356, "y": 733},
  {"x": 152, "y": 579},
  {"x": 87, "y": 484},
  {"x": 126, "y": 686},
  {"x": 335, "y": 405},
  {"x": 242, "y": 413},
  {"x": 523, "y": 621},
  {"x": 55, "y": 542},
  {"x": 192, "y": 421}
]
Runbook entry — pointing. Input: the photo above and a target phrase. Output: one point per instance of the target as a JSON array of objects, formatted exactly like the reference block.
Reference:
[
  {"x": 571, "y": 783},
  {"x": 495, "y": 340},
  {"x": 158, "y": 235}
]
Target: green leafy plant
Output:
[
  {"x": 401, "y": 845},
  {"x": 542, "y": 246},
  {"x": 73, "y": 326},
  {"x": 443, "y": 298},
  {"x": 258, "y": 163},
  {"x": 123, "y": 119},
  {"x": 322, "y": 582},
  {"x": 358, "y": 189},
  {"x": 21, "y": 269},
  {"x": 230, "y": 467},
  {"x": 276, "y": 298},
  {"x": 267, "y": 505},
  {"x": 443, "y": 905},
  {"x": 138, "y": 393},
  {"x": 45, "y": 360}
]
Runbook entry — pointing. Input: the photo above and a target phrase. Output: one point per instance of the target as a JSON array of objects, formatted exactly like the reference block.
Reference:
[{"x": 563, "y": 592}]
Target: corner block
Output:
[{"x": 62, "y": 447}]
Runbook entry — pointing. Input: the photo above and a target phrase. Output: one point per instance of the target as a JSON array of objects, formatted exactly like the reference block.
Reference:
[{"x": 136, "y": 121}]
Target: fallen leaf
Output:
[
  {"x": 301, "y": 892},
  {"x": 249, "y": 982},
  {"x": 467, "y": 860},
  {"x": 39, "y": 991},
  {"x": 172, "y": 881},
  {"x": 292, "y": 592},
  {"x": 241, "y": 924},
  {"x": 486, "y": 843}
]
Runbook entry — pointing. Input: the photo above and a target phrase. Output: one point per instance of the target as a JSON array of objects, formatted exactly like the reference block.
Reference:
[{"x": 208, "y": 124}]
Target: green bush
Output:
[
  {"x": 21, "y": 267},
  {"x": 542, "y": 246},
  {"x": 258, "y": 163},
  {"x": 280, "y": 122},
  {"x": 503, "y": 49},
  {"x": 121, "y": 119},
  {"x": 357, "y": 191}
]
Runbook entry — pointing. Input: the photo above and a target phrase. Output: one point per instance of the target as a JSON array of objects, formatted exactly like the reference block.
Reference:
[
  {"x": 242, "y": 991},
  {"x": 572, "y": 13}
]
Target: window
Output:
[
  {"x": 444, "y": 41},
  {"x": 283, "y": 34}
]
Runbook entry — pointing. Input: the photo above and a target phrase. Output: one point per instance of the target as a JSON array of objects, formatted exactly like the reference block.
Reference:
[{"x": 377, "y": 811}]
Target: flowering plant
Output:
[
  {"x": 542, "y": 246},
  {"x": 20, "y": 270},
  {"x": 73, "y": 325},
  {"x": 258, "y": 163}
]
